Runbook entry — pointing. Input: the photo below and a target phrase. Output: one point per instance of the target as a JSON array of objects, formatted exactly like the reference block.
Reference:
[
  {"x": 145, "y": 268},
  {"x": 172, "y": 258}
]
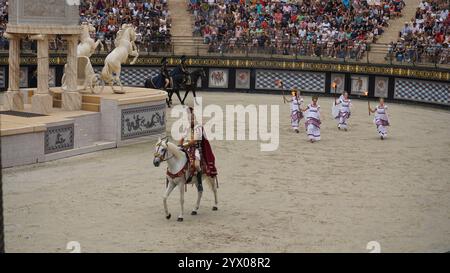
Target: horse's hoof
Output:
[
  {"x": 168, "y": 216},
  {"x": 215, "y": 208},
  {"x": 193, "y": 212},
  {"x": 180, "y": 219}
]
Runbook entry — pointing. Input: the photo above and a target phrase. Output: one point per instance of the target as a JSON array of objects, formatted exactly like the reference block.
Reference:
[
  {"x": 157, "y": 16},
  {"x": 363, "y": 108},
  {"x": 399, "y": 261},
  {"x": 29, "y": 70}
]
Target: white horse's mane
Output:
[
  {"x": 172, "y": 148},
  {"x": 122, "y": 31}
]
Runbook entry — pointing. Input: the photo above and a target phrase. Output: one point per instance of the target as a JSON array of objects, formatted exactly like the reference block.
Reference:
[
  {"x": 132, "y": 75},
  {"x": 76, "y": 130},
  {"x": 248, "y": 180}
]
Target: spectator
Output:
[
  {"x": 150, "y": 17},
  {"x": 426, "y": 37},
  {"x": 307, "y": 27}
]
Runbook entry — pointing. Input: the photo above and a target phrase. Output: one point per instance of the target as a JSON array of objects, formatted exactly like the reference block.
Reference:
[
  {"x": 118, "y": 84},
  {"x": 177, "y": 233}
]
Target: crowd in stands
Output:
[
  {"x": 325, "y": 28},
  {"x": 151, "y": 19},
  {"x": 329, "y": 28},
  {"x": 426, "y": 38},
  {"x": 3, "y": 22}
]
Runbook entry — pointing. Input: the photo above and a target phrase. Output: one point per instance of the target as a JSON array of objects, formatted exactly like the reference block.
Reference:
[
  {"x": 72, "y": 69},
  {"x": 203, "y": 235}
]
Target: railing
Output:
[{"x": 374, "y": 54}]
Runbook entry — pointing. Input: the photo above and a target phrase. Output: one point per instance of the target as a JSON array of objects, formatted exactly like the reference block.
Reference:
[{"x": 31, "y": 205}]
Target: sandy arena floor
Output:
[{"x": 331, "y": 196}]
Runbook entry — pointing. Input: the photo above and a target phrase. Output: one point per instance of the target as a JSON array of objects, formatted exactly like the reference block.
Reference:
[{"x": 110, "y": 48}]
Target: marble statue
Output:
[
  {"x": 87, "y": 45},
  {"x": 125, "y": 46},
  {"x": 85, "y": 73}
]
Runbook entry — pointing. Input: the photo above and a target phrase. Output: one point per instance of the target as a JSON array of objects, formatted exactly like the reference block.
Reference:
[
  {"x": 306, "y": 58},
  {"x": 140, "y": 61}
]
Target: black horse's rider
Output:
[
  {"x": 165, "y": 73},
  {"x": 181, "y": 73}
]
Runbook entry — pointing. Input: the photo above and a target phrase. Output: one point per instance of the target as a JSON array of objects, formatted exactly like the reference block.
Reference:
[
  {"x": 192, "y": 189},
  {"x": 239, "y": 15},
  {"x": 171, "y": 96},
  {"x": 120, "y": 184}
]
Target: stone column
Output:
[
  {"x": 71, "y": 98},
  {"x": 42, "y": 101},
  {"x": 13, "y": 97}
]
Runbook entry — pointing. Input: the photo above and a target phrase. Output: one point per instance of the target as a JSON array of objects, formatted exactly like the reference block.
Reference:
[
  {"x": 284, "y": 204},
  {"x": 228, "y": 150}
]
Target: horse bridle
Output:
[{"x": 162, "y": 156}]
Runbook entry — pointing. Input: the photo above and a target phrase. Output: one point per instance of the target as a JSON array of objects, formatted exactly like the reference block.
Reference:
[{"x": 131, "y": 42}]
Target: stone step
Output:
[
  {"x": 182, "y": 27},
  {"x": 86, "y": 98},
  {"x": 92, "y": 107},
  {"x": 391, "y": 33},
  {"x": 89, "y": 102}
]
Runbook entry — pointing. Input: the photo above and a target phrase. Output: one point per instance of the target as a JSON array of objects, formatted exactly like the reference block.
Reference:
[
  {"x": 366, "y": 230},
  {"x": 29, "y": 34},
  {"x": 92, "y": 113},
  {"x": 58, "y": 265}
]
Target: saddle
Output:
[{"x": 188, "y": 168}]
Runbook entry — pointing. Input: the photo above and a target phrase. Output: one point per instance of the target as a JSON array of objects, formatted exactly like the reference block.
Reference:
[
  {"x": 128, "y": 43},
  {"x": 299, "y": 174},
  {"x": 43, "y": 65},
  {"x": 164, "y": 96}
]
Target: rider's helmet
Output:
[{"x": 183, "y": 59}]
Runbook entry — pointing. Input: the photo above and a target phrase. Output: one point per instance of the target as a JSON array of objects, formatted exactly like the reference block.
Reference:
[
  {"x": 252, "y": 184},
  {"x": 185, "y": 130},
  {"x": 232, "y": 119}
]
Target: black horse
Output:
[
  {"x": 178, "y": 83},
  {"x": 192, "y": 86},
  {"x": 158, "y": 82}
]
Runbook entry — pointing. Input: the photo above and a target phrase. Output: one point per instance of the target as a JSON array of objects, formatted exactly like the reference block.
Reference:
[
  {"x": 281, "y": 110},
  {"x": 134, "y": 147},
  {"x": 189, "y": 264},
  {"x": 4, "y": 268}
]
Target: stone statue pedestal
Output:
[
  {"x": 13, "y": 101},
  {"x": 41, "y": 103},
  {"x": 71, "y": 101}
]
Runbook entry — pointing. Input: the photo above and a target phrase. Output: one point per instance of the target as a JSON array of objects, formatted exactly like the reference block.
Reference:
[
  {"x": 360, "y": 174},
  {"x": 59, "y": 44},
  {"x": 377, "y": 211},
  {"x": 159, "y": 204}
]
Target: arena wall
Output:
[{"x": 403, "y": 83}]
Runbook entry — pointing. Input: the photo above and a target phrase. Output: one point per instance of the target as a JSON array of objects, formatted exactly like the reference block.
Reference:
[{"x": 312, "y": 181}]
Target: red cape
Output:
[{"x": 208, "y": 157}]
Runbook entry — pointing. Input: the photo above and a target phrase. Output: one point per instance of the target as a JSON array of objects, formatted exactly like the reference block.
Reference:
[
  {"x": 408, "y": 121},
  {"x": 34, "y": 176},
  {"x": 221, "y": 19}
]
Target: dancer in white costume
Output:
[
  {"x": 296, "y": 113},
  {"x": 313, "y": 122},
  {"x": 381, "y": 119},
  {"x": 345, "y": 105}
]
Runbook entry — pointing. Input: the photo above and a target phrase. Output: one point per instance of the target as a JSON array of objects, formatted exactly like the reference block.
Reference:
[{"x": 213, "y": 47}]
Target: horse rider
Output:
[
  {"x": 181, "y": 73},
  {"x": 185, "y": 71},
  {"x": 164, "y": 72},
  {"x": 193, "y": 133}
]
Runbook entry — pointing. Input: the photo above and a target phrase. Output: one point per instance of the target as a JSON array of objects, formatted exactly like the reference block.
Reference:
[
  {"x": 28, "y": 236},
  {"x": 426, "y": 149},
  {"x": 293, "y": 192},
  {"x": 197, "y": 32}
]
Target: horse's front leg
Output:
[
  {"x": 136, "y": 55},
  {"x": 181, "y": 186},
  {"x": 195, "y": 96},
  {"x": 134, "y": 52},
  {"x": 179, "y": 97},
  {"x": 185, "y": 96},
  {"x": 102, "y": 48},
  {"x": 169, "y": 189},
  {"x": 169, "y": 99}
]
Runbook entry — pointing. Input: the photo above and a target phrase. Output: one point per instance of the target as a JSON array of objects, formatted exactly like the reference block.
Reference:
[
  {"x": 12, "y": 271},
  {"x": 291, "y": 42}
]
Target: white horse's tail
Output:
[{"x": 107, "y": 73}]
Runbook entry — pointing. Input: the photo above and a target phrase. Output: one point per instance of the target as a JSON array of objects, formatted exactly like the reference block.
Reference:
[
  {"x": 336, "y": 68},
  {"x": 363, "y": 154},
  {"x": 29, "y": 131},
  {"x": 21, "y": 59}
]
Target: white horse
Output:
[
  {"x": 87, "y": 45},
  {"x": 125, "y": 45},
  {"x": 178, "y": 173}
]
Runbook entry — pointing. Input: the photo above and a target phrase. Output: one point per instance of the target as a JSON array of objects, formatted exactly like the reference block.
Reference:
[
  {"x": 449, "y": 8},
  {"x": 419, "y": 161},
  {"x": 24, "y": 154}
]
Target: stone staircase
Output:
[
  {"x": 380, "y": 49},
  {"x": 182, "y": 28},
  {"x": 90, "y": 102}
]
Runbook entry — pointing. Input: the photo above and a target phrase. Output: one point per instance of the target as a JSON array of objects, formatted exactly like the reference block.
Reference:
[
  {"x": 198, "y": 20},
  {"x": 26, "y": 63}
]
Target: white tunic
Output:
[
  {"x": 295, "y": 104},
  {"x": 313, "y": 122},
  {"x": 345, "y": 105},
  {"x": 313, "y": 112},
  {"x": 381, "y": 113}
]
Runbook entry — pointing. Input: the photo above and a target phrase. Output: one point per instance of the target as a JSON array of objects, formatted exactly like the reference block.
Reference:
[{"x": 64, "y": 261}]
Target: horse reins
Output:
[{"x": 162, "y": 157}]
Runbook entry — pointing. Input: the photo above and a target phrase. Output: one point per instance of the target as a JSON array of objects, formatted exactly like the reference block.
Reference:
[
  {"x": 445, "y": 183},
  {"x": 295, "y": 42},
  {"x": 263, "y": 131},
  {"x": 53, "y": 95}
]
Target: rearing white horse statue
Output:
[
  {"x": 178, "y": 173},
  {"x": 125, "y": 45},
  {"x": 87, "y": 45},
  {"x": 85, "y": 49}
]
